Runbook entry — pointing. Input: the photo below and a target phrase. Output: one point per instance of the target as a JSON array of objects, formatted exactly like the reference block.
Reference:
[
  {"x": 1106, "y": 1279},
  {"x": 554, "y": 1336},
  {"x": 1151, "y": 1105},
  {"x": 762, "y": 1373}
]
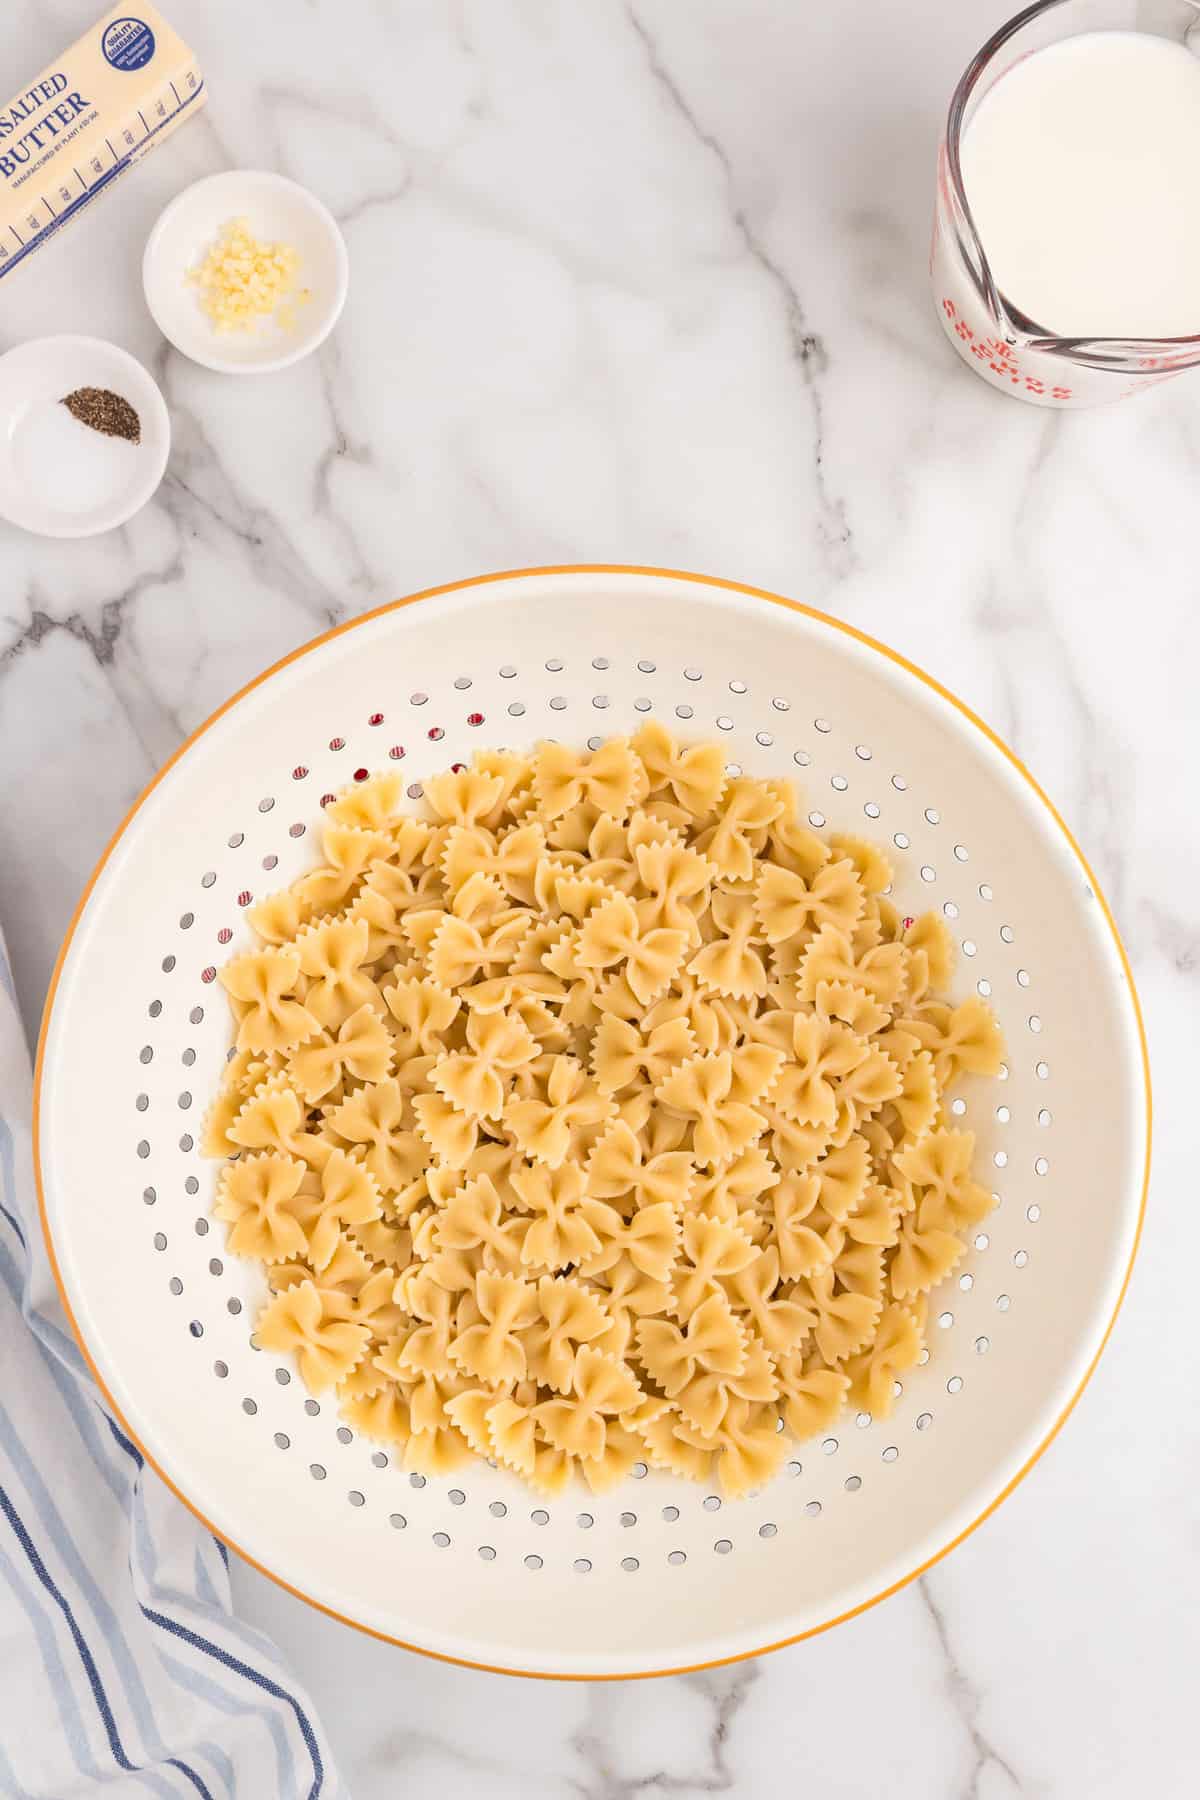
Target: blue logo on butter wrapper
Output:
[{"x": 128, "y": 44}]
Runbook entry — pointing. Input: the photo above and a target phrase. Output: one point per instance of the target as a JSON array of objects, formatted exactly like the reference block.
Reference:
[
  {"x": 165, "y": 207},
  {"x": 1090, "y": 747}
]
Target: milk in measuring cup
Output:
[{"x": 1081, "y": 167}]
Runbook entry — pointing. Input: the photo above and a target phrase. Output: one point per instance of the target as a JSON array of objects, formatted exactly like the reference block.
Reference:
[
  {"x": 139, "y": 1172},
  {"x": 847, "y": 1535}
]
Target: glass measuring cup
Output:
[{"x": 997, "y": 340}]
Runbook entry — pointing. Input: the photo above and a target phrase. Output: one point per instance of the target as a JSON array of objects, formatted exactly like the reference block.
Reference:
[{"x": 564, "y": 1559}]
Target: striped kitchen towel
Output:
[{"x": 122, "y": 1668}]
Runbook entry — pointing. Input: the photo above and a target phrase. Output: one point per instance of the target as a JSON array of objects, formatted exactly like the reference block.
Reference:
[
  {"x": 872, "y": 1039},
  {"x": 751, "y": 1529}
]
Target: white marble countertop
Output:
[{"x": 646, "y": 283}]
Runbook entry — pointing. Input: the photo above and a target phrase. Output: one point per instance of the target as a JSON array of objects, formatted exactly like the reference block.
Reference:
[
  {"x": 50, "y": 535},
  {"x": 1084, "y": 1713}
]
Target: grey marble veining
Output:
[{"x": 646, "y": 283}]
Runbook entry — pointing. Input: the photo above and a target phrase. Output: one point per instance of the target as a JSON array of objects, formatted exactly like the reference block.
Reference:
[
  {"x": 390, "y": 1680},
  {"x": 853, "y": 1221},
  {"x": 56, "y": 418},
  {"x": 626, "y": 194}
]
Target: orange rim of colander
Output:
[{"x": 711, "y": 581}]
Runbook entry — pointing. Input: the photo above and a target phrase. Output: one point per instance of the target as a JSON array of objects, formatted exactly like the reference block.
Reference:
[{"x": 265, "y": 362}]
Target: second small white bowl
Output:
[{"x": 279, "y": 211}]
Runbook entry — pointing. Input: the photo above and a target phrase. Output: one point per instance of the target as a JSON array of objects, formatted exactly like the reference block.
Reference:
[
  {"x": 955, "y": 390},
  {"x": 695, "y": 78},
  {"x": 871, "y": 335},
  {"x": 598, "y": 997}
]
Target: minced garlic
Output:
[{"x": 242, "y": 281}]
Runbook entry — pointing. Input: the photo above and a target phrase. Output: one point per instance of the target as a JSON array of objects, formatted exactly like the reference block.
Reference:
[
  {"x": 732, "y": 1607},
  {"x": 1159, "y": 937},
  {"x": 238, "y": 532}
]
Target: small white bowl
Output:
[
  {"x": 278, "y": 211},
  {"x": 58, "y": 476}
]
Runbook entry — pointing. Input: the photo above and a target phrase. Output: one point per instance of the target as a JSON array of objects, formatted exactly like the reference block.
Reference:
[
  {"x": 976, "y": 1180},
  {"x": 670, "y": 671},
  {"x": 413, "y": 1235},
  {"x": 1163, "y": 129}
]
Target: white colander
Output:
[{"x": 660, "y": 1574}]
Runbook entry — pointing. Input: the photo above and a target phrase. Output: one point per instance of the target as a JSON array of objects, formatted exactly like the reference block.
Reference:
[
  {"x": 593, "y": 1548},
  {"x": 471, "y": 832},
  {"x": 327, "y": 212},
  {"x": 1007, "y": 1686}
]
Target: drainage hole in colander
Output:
[
  {"x": 829, "y": 1446},
  {"x": 817, "y": 820},
  {"x": 852, "y": 1483},
  {"x": 497, "y": 1509},
  {"x": 1000, "y": 1158},
  {"x": 355, "y": 1498},
  {"x": 683, "y": 712},
  {"x": 160, "y": 1240},
  {"x": 1003, "y": 1115},
  {"x": 958, "y": 1107},
  {"x": 456, "y": 1497},
  {"x": 282, "y": 1441},
  {"x": 1020, "y": 1258},
  {"x": 516, "y": 710},
  {"x": 487, "y": 1553},
  {"x": 628, "y": 1519},
  {"x": 283, "y": 1377},
  {"x": 628, "y": 1563},
  {"x": 764, "y": 738},
  {"x": 839, "y": 782},
  {"x": 901, "y": 840},
  {"x": 983, "y": 987},
  {"x": 712, "y": 1503},
  {"x": 379, "y": 1459},
  {"x": 220, "y": 1370},
  {"x": 1034, "y": 1023},
  {"x": 1033, "y": 1214},
  {"x": 928, "y": 873},
  {"x": 142, "y": 1102},
  {"x": 196, "y": 1328},
  {"x": 813, "y": 1508},
  {"x": 557, "y": 702},
  {"x": 793, "y": 1469},
  {"x": 890, "y": 1454},
  {"x": 945, "y": 1320},
  {"x": 1003, "y": 1302},
  {"x": 676, "y": 1558},
  {"x": 249, "y": 1406},
  {"x": 532, "y": 1561},
  {"x": 414, "y": 790},
  {"x": 670, "y": 1514},
  {"x": 175, "y": 1285},
  {"x": 871, "y": 810},
  {"x": 582, "y": 1566},
  {"x": 185, "y": 1100},
  {"x": 960, "y": 853},
  {"x": 215, "y": 1266},
  {"x": 540, "y": 1516},
  {"x": 168, "y": 963},
  {"x": 983, "y": 1345},
  {"x": 647, "y": 668},
  {"x": 768, "y": 1530},
  {"x": 344, "y": 1435},
  {"x": 737, "y": 687},
  {"x": 724, "y": 723},
  {"x": 639, "y": 1471},
  {"x": 899, "y": 783},
  {"x": 954, "y": 1385},
  {"x": 149, "y": 1195},
  {"x": 862, "y": 1420},
  {"x": 234, "y": 1305},
  {"x": 966, "y": 1283},
  {"x": 416, "y": 1481},
  {"x": 924, "y": 1421},
  {"x": 732, "y": 769},
  {"x": 723, "y": 1546},
  {"x": 312, "y": 1408},
  {"x": 693, "y": 675}
]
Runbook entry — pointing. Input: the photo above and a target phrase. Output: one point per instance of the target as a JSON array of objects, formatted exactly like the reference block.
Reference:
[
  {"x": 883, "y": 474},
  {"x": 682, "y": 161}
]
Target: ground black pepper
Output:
[{"x": 104, "y": 411}]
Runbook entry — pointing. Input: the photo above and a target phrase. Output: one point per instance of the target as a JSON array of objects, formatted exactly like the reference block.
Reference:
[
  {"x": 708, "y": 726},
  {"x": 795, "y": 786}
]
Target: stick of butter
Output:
[{"x": 105, "y": 103}]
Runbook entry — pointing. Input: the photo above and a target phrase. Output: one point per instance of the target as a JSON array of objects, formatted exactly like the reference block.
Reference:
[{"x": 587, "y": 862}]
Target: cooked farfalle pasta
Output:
[{"x": 597, "y": 1117}]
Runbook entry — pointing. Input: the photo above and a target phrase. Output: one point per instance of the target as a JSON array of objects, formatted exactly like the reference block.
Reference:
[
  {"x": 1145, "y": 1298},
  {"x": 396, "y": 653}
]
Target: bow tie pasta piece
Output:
[
  {"x": 254, "y": 1196},
  {"x": 601, "y": 1387},
  {"x": 259, "y": 985},
  {"x": 378, "y": 1118},
  {"x": 568, "y": 1314},
  {"x": 362, "y": 1048},
  {"x": 475, "y": 1080},
  {"x": 610, "y": 778},
  {"x": 312, "y": 1323},
  {"x": 700, "y": 1090},
  {"x": 599, "y": 1115},
  {"x": 619, "y": 1169},
  {"x": 882, "y": 972},
  {"x": 963, "y": 1040},
  {"x": 694, "y": 778},
  {"x": 464, "y": 796},
  {"x": 559, "y": 1234},
  {"x": 349, "y": 852},
  {"x": 747, "y": 809},
  {"x": 547, "y": 1129},
  {"x": 731, "y": 965}
]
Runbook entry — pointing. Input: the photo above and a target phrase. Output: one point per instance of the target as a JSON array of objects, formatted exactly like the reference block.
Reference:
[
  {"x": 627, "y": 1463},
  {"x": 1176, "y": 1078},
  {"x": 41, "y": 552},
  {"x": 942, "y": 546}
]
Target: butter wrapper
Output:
[{"x": 90, "y": 115}]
